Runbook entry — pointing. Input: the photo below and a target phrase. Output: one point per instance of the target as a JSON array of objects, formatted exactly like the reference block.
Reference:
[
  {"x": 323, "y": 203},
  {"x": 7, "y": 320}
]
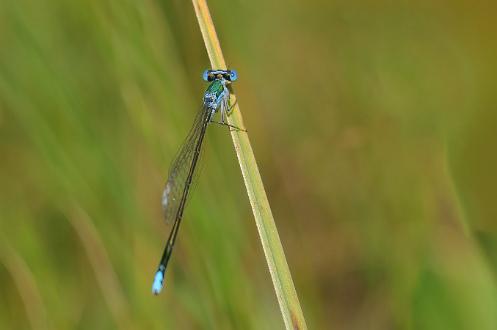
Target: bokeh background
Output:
[{"x": 373, "y": 122}]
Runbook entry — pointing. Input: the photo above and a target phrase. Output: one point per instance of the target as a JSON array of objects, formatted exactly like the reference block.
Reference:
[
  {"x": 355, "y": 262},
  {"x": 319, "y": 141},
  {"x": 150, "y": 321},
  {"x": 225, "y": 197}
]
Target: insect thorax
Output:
[{"x": 214, "y": 94}]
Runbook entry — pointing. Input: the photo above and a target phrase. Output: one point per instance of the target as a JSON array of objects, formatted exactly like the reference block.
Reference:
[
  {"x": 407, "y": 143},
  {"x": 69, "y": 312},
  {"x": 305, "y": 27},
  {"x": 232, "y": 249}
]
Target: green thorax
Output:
[{"x": 216, "y": 88}]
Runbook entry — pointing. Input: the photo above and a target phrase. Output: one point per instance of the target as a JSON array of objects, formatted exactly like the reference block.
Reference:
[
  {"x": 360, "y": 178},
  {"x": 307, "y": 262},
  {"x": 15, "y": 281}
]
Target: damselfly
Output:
[{"x": 216, "y": 98}]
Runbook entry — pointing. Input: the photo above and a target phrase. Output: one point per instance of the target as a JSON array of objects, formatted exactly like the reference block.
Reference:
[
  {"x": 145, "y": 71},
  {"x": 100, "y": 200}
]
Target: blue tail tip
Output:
[{"x": 158, "y": 283}]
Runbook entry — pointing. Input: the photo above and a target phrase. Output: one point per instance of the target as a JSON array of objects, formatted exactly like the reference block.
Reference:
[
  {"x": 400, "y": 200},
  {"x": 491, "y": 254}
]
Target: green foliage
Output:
[{"x": 374, "y": 130}]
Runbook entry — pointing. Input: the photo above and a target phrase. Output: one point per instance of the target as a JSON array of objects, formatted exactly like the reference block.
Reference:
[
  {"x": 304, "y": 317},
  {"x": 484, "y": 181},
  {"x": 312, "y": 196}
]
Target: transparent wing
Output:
[{"x": 174, "y": 191}]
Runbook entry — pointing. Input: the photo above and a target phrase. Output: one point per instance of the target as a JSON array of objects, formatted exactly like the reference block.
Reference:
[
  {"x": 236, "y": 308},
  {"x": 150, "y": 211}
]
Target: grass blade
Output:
[{"x": 273, "y": 250}]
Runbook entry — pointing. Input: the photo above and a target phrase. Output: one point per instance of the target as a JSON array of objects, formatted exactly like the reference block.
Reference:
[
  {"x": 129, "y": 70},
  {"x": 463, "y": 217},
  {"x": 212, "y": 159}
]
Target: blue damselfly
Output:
[{"x": 216, "y": 99}]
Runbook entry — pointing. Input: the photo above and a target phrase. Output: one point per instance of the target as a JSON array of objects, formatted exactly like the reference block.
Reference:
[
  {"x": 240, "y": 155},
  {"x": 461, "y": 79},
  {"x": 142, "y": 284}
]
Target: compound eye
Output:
[
  {"x": 233, "y": 75},
  {"x": 208, "y": 75}
]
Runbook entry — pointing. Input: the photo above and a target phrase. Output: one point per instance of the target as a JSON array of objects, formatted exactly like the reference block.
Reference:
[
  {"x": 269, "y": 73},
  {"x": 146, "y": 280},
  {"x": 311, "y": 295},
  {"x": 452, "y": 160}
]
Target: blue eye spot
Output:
[{"x": 233, "y": 75}]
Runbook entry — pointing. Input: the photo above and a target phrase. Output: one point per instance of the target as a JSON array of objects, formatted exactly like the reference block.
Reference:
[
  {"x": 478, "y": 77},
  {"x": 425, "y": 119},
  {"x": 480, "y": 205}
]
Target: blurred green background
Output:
[{"x": 374, "y": 125}]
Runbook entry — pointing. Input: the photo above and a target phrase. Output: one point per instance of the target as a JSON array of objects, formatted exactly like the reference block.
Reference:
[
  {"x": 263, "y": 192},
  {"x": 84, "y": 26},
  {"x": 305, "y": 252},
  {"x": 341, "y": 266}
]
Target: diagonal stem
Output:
[{"x": 273, "y": 250}]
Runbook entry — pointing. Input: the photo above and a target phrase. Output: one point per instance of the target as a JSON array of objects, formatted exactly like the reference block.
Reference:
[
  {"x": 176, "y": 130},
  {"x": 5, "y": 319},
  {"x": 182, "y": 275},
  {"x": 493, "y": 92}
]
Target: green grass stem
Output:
[{"x": 273, "y": 250}]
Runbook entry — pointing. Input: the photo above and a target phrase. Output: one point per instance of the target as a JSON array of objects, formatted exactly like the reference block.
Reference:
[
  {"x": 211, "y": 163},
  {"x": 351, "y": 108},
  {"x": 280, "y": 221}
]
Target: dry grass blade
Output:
[
  {"x": 273, "y": 250},
  {"x": 26, "y": 285},
  {"x": 101, "y": 265}
]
